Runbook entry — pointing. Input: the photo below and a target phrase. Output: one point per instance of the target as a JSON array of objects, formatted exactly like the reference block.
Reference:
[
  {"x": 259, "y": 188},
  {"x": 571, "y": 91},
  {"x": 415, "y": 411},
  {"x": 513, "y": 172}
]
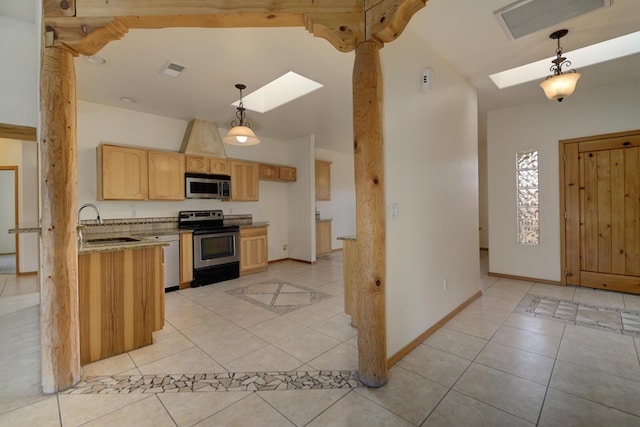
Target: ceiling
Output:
[{"x": 217, "y": 59}]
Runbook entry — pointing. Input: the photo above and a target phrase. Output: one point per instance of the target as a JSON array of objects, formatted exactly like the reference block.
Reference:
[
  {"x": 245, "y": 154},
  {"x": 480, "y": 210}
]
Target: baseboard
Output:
[
  {"x": 524, "y": 278},
  {"x": 27, "y": 273},
  {"x": 484, "y": 249},
  {"x": 426, "y": 334}
]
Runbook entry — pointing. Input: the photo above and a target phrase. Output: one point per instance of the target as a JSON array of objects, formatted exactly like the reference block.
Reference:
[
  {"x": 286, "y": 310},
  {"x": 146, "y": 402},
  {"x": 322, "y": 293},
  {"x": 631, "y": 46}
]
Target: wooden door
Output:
[{"x": 601, "y": 195}]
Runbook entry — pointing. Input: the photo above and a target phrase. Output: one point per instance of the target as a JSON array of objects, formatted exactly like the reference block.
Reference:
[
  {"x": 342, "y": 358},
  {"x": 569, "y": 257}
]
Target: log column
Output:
[
  {"x": 370, "y": 214},
  {"x": 59, "y": 327}
]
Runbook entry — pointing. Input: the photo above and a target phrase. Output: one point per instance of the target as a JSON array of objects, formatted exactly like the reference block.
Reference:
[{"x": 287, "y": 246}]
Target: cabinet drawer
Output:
[{"x": 252, "y": 232}]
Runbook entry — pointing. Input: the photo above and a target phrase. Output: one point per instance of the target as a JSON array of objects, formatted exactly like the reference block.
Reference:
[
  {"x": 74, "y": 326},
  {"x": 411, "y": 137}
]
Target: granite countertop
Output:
[
  {"x": 323, "y": 219},
  {"x": 351, "y": 237},
  {"x": 84, "y": 249},
  {"x": 256, "y": 224}
]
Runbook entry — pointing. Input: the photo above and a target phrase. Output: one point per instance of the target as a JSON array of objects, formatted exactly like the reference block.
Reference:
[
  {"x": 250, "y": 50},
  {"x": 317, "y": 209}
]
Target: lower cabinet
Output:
[
  {"x": 323, "y": 237},
  {"x": 253, "y": 250},
  {"x": 186, "y": 260},
  {"x": 121, "y": 300}
]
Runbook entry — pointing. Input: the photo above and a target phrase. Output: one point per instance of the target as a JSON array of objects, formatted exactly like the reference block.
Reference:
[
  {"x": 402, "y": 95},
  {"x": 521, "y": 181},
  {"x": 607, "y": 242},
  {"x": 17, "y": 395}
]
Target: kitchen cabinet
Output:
[
  {"x": 186, "y": 260},
  {"x": 207, "y": 165},
  {"x": 122, "y": 173},
  {"x": 323, "y": 180},
  {"x": 253, "y": 250},
  {"x": 166, "y": 175},
  {"x": 277, "y": 173},
  {"x": 121, "y": 300},
  {"x": 196, "y": 164},
  {"x": 287, "y": 173},
  {"x": 219, "y": 166},
  {"x": 323, "y": 237},
  {"x": 244, "y": 181}
]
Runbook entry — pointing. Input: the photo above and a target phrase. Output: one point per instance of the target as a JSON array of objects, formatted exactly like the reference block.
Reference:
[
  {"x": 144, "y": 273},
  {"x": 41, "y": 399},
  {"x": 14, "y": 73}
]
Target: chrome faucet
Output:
[{"x": 98, "y": 219}]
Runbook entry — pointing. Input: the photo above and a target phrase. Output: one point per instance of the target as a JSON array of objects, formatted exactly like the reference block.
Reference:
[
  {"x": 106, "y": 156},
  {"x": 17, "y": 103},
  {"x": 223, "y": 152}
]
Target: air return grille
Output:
[
  {"x": 525, "y": 17},
  {"x": 172, "y": 69}
]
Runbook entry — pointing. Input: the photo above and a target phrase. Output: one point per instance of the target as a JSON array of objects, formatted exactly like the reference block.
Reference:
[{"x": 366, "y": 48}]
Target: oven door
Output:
[{"x": 211, "y": 249}]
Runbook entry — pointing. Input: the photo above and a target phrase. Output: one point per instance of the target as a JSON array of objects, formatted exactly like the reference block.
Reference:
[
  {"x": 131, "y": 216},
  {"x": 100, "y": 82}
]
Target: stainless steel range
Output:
[{"x": 216, "y": 255}]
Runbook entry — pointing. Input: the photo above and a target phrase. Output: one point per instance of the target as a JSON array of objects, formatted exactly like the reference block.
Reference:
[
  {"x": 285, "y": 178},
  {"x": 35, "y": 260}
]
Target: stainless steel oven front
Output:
[{"x": 214, "y": 248}]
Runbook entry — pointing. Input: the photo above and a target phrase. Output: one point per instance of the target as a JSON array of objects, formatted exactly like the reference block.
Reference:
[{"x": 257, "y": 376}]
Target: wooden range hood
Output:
[{"x": 83, "y": 27}]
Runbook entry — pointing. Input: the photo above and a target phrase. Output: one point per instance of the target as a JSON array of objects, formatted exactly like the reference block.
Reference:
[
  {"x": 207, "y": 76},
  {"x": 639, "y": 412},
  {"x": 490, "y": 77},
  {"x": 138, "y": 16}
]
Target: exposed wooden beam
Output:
[
  {"x": 341, "y": 22},
  {"x": 59, "y": 331},
  {"x": 370, "y": 214},
  {"x": 21, "y": 133}
]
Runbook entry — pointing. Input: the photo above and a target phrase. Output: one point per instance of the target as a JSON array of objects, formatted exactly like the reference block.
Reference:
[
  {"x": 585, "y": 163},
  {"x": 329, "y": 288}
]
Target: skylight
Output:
[
  {"x": 284, "y": 89},
  {"x": 583, "y": 57}
]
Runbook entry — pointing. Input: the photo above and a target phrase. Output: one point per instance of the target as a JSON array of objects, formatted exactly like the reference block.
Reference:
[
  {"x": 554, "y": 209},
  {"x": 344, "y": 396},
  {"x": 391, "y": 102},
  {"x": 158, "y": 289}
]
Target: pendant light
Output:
[
  {"x": 240, "y": 132},
  {"x": 559, "y": 85}
]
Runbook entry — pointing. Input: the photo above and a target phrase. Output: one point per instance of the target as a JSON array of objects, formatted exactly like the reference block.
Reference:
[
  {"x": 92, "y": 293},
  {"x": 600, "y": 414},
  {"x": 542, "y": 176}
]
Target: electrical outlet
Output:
[{"x": 285, "y": 247}]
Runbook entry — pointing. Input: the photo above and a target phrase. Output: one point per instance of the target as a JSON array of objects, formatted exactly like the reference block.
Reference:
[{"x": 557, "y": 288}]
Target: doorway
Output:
[
  {"x": 600, "y": 208},
  {"x": 8, "y": 219}
]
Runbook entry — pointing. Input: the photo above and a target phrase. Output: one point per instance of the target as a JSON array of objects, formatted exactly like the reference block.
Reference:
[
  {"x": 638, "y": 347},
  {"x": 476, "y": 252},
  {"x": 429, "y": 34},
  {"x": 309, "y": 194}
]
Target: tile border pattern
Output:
[
  {"x": 216, "y": 382},
  {"x": 609, "y": 319},
  {"x": 244, "y": 292}
]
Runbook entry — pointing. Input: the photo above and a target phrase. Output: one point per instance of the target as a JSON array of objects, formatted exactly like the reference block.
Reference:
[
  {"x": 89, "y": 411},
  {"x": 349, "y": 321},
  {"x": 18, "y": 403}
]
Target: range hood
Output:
[{"x": 202, "y": 138}]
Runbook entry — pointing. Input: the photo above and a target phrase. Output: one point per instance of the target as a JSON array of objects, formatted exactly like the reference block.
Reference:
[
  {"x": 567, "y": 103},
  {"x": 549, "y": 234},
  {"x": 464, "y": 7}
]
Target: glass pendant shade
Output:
[
  {"x": 241, "y": 135},
  {"x": 560, "y": 86}
]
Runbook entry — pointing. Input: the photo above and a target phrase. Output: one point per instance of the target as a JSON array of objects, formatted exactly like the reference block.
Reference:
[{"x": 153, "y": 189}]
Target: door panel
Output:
[{"x": 601, "y": 233}]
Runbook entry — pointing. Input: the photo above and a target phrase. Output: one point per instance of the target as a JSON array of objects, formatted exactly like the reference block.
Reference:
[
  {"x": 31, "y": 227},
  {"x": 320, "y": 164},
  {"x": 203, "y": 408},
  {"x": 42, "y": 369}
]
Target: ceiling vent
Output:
[
  {"x": 172, "y": 69},
  {"x": 525, "y": 17}
]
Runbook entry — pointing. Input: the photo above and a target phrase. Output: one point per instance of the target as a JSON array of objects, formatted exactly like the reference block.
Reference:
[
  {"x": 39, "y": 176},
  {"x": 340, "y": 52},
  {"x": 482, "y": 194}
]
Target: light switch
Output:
[{"x": 393, "y": 210}]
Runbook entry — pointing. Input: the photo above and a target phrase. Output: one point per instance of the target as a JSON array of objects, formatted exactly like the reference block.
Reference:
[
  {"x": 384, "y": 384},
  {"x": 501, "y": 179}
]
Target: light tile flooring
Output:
[{"x": 489, "y": 366}]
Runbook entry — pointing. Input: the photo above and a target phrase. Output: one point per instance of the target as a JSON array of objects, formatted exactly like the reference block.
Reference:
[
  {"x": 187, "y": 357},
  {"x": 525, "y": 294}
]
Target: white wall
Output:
[
  {"x": 541, "y": 125},
  {"x": 19, "y": 52},
  {"x": 302, "y": 194},
  {"x": 431, "y": 171},
  {"x": 342, "y": 206}
]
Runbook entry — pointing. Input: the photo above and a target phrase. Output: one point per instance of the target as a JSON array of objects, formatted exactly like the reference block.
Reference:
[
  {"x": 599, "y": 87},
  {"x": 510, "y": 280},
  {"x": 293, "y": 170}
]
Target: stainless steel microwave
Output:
[{"x": 202, "y": 186}]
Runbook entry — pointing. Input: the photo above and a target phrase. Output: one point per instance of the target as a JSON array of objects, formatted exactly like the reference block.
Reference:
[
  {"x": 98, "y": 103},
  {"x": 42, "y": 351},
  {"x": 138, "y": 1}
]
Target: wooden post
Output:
[
  {"x": 370, "y": 213},
  {"x": 59, "y": 327}
]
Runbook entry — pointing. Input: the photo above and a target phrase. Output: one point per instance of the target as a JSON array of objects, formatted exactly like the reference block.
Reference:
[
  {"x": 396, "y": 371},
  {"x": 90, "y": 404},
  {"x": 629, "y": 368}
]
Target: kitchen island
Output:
[{"x": 121, "y": 297}]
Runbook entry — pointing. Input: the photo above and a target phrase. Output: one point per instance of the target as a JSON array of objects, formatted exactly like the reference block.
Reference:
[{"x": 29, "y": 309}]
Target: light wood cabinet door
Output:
[
  {"x": 287, "y": 173},
  {"x": 166, "y": 175},
  {"x": 219, "y": 166},
  {"x": 253, "y": 250},
  {"x": 197, "y": 164},
  {"x": 323, "y": 237},
  {"x": 244, "y": 181},
  {"x": 122, "y": 173},
  {"x": 323, "y": 180},
  {"x": 269, "y": 172},
  {"x": 186, "y": 260}
]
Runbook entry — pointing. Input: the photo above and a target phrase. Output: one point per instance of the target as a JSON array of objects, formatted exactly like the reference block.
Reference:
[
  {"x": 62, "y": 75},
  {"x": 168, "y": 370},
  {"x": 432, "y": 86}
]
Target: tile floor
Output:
[{"x": 490, "y": 365}]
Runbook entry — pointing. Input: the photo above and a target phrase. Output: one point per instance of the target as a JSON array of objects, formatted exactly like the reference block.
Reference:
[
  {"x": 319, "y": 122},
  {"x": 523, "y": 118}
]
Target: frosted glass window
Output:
[{"x": 528, "y": 206}]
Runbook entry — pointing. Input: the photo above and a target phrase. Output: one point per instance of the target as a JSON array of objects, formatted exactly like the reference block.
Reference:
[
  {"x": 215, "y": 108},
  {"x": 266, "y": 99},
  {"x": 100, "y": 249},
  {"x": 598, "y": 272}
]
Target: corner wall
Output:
[
  {"x": 431, "y": 172},
  {"x": 541, "y": 125}
]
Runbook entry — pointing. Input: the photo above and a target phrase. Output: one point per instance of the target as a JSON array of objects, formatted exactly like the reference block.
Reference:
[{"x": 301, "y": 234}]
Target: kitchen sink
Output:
[{"x": 110, "y": 240}]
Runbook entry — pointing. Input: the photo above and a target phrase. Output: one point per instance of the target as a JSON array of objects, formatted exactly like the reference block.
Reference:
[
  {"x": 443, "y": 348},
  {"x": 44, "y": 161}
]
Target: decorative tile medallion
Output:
[
  {"x": 611, "y": 319},
  {"x": 279, "y": 296},
  {"x": 228, "y": 381}
]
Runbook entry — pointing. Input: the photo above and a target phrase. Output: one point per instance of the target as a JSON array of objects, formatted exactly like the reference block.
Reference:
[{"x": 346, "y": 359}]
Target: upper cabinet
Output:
[
  {"x": 269, "y": 172},
  {"x": 166, "y": 175},
  {"x": 130, "y": 173},
  {"x": 122, "y": 173},
  {"x": 208, "y": 165},
  {"x": 323, "y": 180},
  {"x": 244, "y": 181}
]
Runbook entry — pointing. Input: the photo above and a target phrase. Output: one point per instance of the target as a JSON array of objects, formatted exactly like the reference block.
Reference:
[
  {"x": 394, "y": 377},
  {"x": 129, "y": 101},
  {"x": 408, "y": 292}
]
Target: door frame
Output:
[
  {"x": 16, "y": 199},
  {"x": 568, "y": 234}
]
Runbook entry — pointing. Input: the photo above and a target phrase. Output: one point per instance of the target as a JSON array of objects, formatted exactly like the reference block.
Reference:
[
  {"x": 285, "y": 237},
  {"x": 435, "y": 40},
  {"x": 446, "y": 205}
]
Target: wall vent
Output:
[
  {"x": 525, "y": 17},
  {"x": 172, "y": 69}
]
